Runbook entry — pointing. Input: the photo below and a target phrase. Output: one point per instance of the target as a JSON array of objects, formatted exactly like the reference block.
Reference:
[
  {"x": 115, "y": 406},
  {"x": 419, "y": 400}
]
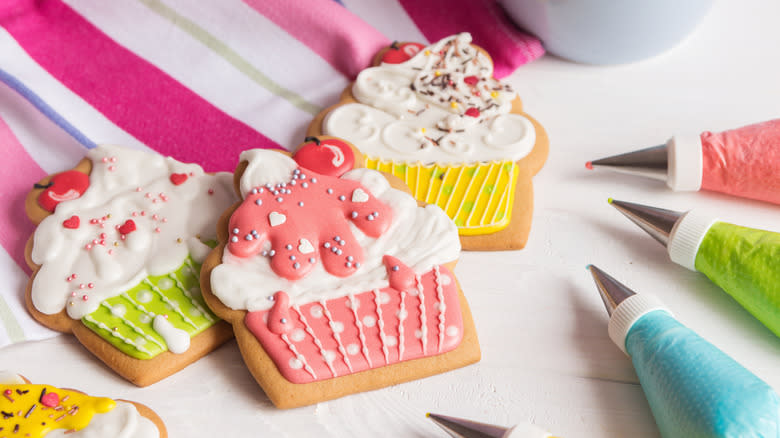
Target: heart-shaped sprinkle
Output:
[
  {"x": 178, "y": 178},
  {"x": 305, "y": 247},
  {"x": 471, "y": 80},
  {"x": 71, "y": 223},
  {"x": 359, "y": 195},
  {"x": 275, "y": 218},
  {"x": 128, "y": 227},
  {"x": 472, "y": 112},
  {"x": 50, "y": 400}
]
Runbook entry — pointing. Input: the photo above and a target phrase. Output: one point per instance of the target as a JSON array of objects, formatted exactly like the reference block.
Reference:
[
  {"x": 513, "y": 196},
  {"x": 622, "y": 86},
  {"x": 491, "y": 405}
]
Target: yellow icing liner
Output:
[{"x": 478, "y": 197}]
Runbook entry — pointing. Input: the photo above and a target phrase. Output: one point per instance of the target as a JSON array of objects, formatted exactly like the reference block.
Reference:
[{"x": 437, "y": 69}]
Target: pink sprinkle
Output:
[
  {"x": 89, "y": 246},
  {"x": 102, "y": 242},
  {"x": 154, "y": 201},
  {"x": 91, "y": 285},
  {"x": 148, "y": 195},
  {"x": 82, "y": 286},
  {"x": 102, "y": 235},
  {"x": 102, "y": 225},
  {"x": 134, "y": 214},
  {"x": 154, "y": 216},
  {"x": 589, "y": 165},
  {"x": 85, "y": 297},
  {"x": 69, "y": 279},
  {"x": 211, "y": 191},
  {"x": 74, "y": 276},
  {"x": 138, "y": 189},
  {"x": 111, "y": 168},
  {"x": 94, "y": 241},
  {"x": 104, "y": 218},
  {"x": 157, "y": 230},
  {"x": 162, "y": 194},
  {"x": 110, "y": 251},
  {"x": 143, "y": 213},
  {"x": 105, "y": 159},
  {"x": 93, "y": 221},
  {"x": 113, "y": 159},
  {"x": 123, "y": 237},
  {"x": 165, "y": 219},
  {"x": 73, "y": 294}
]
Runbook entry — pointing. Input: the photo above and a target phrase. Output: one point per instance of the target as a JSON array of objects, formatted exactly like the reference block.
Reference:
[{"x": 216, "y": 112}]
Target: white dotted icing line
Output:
[
  {"x": 299, "y": 356},
  {"x": 138, "y": 306},
  {"x": 401, "y": 319},
  {"x": 117, "y": 335},
  {"x": 381, "y": 323},
  {"x": 189, "y": 296},
  {"x": 317, "y": 342},
  {"x": 336, "y": 335},
  {"x": 361, "y": 335},
  {"x": 423, "y": 317},
  {"x": 169, "y": 302},
  {"x": 134, "y": 327},
  {"x": 442, "y": 306}
]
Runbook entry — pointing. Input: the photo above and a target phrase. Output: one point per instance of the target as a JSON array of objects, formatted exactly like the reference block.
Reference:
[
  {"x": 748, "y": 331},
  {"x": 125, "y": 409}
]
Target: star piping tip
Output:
[{"x": 589, "y": 165}]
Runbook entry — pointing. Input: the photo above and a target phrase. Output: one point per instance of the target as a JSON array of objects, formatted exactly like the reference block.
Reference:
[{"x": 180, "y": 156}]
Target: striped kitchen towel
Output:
[{"x": 196, "y": 81}]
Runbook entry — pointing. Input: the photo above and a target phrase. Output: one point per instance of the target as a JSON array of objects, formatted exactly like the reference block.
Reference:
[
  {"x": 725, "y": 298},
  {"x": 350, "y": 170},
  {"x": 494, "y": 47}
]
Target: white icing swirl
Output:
[
  {"x": 419, "y": 236},
  {"x": 124, "y": 421},
  {"x": 125, "y": 184},
  {"x": 442, "y": 105}
]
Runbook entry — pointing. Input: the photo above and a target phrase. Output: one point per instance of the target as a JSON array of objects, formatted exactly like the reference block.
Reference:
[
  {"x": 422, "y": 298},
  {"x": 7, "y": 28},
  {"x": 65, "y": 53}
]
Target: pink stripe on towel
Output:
[
  {"x": 335, "y": 34},
  {"x": 17, "y": 175},
  {"x": 489, "y": 26},
  {"x": 132, "y": 93}
]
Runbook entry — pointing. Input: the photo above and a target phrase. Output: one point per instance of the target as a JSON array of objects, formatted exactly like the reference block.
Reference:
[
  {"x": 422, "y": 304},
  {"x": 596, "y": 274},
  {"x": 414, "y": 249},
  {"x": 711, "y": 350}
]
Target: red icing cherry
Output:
[
  {"x": 330, "y": 157},
  {"x": 71, "y": 223},
  {"x": 399, "y": 53},
  {"x": 50, "y": 400},
  {"x": 178, "y": 178},
  {"x": 472, "y": 112},
  {"x": 471, "y": 80},
  {"x": 400, "y": 276},
  {"x": 63, "y": 186},
  {"x": 128, "y": 227}
]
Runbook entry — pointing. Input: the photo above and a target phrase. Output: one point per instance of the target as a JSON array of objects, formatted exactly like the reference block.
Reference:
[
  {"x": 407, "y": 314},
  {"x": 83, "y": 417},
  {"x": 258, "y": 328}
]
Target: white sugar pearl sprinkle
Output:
[
  {"x": 259, "y": 202},
  {"x": 234, "y": 239}
]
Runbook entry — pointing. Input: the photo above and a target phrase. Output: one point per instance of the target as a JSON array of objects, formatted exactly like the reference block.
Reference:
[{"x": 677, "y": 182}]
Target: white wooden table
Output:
[{"x": 542, "y": 327}]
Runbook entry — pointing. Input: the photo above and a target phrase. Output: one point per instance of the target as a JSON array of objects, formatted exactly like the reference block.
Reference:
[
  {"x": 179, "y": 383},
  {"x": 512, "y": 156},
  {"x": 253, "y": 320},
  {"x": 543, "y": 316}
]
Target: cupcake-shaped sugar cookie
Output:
[
  {"x": 334, "y": 281},
  {"x": 116, "y": 258},
  {"x": 37, "y": 411},
  {"x": 436, "y": 118}
]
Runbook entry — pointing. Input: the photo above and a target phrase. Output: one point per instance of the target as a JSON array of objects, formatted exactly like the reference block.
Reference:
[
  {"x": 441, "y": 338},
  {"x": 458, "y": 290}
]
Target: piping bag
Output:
[
  {"x": 744, "y": 262},
  {"x": 742, "y": 162},
  {"x": 693, "y": 388}
]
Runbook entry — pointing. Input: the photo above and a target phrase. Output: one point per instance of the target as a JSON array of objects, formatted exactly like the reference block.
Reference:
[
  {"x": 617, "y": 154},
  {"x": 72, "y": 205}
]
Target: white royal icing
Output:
[
  {"x": 405, "y": 111},
  {"x": 122, "y": 182},
  {"x": 419, "y": 236},
  {"x": 124, "y": 421}
]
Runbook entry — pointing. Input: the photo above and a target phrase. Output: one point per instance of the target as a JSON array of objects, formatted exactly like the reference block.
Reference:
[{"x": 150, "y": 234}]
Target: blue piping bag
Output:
[{"x": 693, "y": 388}]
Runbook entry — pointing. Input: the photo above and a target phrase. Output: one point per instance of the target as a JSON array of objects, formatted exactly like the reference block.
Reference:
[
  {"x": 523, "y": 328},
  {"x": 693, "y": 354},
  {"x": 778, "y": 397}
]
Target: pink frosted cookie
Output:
[{"x": 334, "y": 281}]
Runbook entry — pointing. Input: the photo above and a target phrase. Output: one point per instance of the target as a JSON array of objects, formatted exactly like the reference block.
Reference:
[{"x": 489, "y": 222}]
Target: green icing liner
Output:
[
  {"x": 744, "y": 262},
  {"x": 126, "y": 320}
]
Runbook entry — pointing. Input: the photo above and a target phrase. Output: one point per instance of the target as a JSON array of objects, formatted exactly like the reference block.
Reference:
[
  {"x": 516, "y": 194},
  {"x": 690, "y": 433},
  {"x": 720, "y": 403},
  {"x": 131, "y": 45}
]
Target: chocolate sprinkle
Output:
[{"x": 6, "y": 415}]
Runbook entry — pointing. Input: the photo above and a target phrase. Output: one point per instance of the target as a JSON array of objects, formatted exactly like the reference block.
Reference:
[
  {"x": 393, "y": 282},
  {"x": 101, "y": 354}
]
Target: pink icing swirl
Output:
[{"x": 306, "y": 220}]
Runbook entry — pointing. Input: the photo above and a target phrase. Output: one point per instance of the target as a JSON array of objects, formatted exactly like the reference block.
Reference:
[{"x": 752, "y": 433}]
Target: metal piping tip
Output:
[
  {"x": 652, "y": 162},
  {"x": 657, "y": 222},
  {"x": 612, "y": 291},
  {"x": 460, "y": 428}
]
